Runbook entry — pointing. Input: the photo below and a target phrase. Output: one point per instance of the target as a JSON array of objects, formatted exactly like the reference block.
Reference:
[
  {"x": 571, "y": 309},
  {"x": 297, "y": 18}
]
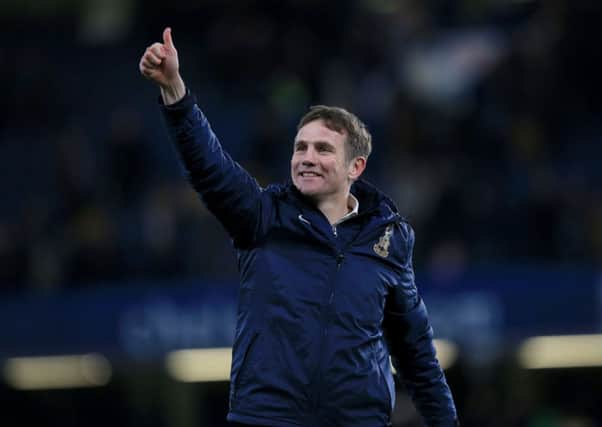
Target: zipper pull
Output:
[{"x": 340, "y": 259}]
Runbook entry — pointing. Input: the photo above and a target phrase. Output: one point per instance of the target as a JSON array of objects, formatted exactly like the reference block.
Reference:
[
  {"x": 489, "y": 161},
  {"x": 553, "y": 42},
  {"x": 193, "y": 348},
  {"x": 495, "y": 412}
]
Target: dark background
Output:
[{"x": 486, "y": 123}]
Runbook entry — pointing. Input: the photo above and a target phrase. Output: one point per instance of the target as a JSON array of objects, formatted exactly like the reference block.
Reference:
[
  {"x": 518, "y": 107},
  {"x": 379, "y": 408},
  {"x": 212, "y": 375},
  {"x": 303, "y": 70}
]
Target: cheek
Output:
[{"x": 336, "y": 168}]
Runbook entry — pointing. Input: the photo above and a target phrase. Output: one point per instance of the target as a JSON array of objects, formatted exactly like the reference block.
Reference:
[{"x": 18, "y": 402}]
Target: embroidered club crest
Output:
[{"x": 382, "y": 246}]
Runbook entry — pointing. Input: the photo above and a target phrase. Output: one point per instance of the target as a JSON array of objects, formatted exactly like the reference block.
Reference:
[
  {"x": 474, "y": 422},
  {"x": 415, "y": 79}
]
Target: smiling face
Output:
[{"x": 319, "y": 166}]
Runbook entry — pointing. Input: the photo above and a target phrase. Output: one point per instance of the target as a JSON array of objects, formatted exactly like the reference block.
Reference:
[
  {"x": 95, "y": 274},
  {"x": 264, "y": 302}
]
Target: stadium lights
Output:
[
  {"x": 213, "y": 364},
  {"x": 55, "y": 372},
  {"x": 563, "y": 351},
  {"x": 200, "y": 365},
  {"x": 447, "y": 352}
]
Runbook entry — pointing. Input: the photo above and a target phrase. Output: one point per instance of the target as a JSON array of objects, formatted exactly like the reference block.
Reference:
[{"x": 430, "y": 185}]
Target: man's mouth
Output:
[{"x": 309, "y": 174}]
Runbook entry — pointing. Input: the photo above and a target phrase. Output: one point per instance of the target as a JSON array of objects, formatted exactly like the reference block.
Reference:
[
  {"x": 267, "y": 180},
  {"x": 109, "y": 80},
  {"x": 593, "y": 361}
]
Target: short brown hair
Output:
[{"x": 358, "y": 141}]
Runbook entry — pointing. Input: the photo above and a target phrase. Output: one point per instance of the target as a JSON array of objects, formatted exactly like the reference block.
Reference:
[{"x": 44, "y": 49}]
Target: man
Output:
[{"x": 327, "y": 286}]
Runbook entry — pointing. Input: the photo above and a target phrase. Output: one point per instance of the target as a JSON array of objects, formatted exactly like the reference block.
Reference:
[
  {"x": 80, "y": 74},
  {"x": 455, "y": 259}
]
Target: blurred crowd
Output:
[{"x": 485, "y": 117}]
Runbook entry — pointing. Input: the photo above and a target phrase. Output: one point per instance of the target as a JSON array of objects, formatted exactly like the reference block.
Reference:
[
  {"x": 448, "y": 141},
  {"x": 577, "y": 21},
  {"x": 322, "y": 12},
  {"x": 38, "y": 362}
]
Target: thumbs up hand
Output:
[{"x": 160, "y": 64}]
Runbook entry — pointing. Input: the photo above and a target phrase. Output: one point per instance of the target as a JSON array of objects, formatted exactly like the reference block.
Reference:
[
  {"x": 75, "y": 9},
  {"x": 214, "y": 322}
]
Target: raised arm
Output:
[
  {"x": 229, "y": 192},
  {"x": 410, "y": 339}
]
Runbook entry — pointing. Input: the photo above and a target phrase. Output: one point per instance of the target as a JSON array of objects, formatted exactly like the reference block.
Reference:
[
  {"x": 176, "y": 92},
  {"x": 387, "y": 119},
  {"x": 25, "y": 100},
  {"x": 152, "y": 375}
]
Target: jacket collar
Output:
[{"x": 371, "y": 200}]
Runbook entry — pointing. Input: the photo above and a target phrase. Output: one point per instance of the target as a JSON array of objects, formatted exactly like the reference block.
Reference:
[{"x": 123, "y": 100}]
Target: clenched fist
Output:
[{"x": 159, "y": 63}]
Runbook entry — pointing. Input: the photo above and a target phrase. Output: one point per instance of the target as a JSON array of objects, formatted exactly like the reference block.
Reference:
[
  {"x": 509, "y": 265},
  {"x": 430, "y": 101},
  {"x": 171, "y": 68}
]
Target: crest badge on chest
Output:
[{"x": 381, "y": 248}]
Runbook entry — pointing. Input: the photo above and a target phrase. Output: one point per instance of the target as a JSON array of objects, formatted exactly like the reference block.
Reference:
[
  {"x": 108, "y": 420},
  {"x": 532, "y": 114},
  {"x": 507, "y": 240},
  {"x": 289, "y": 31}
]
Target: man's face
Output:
[{"x": 319, "y": 167}]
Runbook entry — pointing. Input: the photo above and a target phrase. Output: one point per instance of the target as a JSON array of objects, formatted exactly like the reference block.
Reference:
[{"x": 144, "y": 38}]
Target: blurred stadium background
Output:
[{"x": 118, "y": 290}]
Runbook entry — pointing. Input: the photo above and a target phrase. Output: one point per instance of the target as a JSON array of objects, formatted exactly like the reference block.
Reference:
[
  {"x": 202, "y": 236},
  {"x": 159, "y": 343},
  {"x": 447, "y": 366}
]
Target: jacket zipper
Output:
[{"x": 339, "y": 258}]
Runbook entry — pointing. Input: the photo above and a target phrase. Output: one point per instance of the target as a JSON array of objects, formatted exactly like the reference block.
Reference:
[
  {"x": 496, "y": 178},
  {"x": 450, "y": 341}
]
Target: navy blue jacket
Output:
[{"x": 320, "y": 310}]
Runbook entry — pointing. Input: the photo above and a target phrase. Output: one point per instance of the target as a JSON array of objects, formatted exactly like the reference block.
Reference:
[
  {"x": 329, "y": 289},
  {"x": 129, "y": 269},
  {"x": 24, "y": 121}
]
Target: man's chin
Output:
[{"x": 308, "y": 191}]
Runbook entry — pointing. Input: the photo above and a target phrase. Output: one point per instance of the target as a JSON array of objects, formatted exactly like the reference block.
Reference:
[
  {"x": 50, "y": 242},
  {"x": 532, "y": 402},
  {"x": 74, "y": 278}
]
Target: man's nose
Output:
[{"x": 308, "y": 157}]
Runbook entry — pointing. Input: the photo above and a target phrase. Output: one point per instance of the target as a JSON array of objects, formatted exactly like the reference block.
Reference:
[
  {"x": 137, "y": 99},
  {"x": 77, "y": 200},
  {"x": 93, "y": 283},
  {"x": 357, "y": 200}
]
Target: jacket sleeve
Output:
[
  {"x": 410, "y": 340},
  {"x": 225, "y": 187}
]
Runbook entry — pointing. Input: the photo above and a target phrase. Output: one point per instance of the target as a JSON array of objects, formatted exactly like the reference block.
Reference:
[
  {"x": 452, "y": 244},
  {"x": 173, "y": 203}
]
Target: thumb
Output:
[{"x": 167, "y": 40}]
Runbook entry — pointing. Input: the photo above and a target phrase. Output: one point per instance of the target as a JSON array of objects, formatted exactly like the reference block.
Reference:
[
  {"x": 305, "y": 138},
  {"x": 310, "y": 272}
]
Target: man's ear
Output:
[{"x": 356, "y": 168}]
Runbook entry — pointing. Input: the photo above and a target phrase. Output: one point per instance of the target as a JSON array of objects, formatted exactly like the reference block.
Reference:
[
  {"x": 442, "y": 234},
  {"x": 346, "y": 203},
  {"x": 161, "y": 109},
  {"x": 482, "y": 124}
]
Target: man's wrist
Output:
[{"x": 173, "y": 92}]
